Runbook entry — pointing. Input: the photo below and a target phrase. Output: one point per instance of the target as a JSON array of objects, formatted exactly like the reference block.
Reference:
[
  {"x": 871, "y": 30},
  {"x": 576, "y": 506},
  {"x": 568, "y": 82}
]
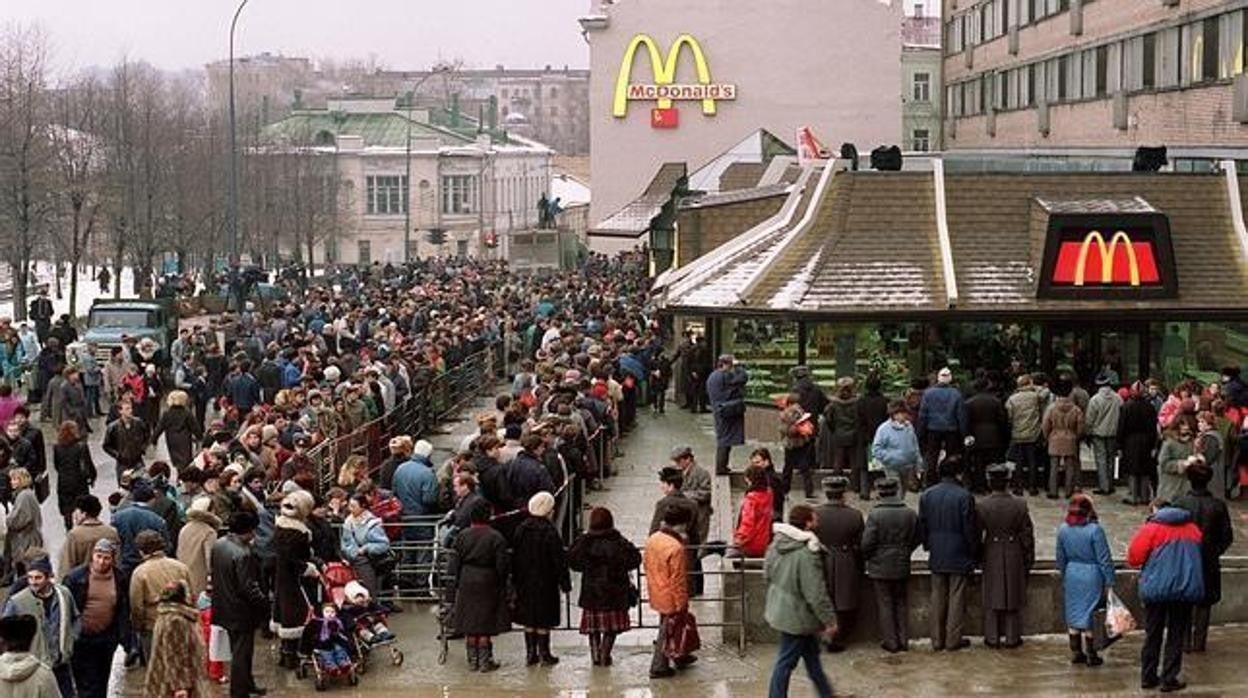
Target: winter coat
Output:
[
  {"x": 416, "y": 486},
  {"x": 1009, "y": 550},
  {"x": 238, "y": 601},
  {"x": 543, "y": 575},
  {"x": 126, "y": 441},
  {"x": 1087, "y": 569},
  {"x": 1167, "y": 551},
  {"x": 753, "y": 532},
  {"x": 1214, "y": 521},
  {"x": 839, "y": 530},
  {"x": 129, "y": 522},
  {"x": 1103, "y": 411},
  {"x": 292, "y": 543},
  {"x": 674, "y": 500},
  {"x": 57, "y": 623},
  {"x": 24, "y": 524},
  {"x": 75, "y": 474},
  {"x": 182, "y": 432},
  {"x": 842, "y": 418},
  {"x": 1026, "y": 411},
  {"x": 1171, "y": 460},
  {"x": 889, "y": 538},
  {"x": 810, "y": 396},
  {"x": 195, "y": 542},
  {"x": 177, "y": 661},
  {"x": 941, "y": 410},
  {"x": 797, "y": 596},
  {"x": 1062, "y": 427},
  {"x": 479, "y": 568},
  {"x": 667, "y": 572},
  {"x": 697, "y": 487},
  {"x": 147, "y": 582},
  {"x": 606, "y": 561},
  {"x": 726, "y": 393},
  {"x": 896, "y": 446},
  {"x": 80, "y": 541},
  {"x": 73, "y": 404},
  {"x": 872, "y": 412},
  {"x": 526, "y": 476},
  {"x": 363, "y": 537},
  {"x": 24, "y": 676},
  {"x": 988, "y": 422},
  {"x": 948, "y": 528},
  {"x": 1137, "y": 437}
]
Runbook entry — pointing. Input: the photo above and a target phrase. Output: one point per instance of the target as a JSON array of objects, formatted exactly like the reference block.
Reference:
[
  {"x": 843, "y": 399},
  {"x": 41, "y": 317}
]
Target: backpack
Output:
[{"x": 389, "y": 509}]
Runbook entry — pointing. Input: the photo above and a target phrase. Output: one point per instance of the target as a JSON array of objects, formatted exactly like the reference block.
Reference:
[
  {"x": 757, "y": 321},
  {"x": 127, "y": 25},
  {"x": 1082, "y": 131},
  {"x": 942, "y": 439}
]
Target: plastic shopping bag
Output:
[
  {"x": 1118, "y": 618},
  {"x": 218, "y": 644}
]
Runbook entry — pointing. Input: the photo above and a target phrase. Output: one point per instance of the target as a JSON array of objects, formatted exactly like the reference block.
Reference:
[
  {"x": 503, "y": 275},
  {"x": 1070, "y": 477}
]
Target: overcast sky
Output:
[{"x": 179, "y": 34}]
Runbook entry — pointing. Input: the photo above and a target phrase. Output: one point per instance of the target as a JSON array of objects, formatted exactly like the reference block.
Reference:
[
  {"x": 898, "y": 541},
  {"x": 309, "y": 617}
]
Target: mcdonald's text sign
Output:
[
  {"x": 664, "y": 90},
  {"x": 1098, "y": 256}
]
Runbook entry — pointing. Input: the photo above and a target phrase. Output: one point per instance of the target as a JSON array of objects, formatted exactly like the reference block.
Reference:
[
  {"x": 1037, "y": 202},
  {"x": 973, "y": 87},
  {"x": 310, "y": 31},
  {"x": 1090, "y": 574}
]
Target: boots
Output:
[
  {"x": 1076, "y": 647},
  {"x": 531, "y": 657},
  {"x": 595, "y": 648},
  {"x": 543, "y": 648},
  {"x": 1089, "y": 646},
  {"x": 485, "y": 658},
  {"x": 604, "y": 649},
  {"x": 474, "y": 656}
]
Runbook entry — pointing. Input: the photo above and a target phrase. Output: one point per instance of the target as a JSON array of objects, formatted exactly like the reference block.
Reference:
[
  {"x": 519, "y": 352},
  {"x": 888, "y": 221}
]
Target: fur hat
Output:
[
  {"x": 297, "y": 505},
  {"x": 541, "y": 504},
  {"x": 422, "y": 448}
]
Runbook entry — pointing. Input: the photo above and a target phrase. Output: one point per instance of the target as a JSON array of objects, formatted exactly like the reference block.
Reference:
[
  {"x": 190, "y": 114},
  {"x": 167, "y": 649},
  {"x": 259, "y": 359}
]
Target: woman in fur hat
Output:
[{"x": 292, "y": 545}]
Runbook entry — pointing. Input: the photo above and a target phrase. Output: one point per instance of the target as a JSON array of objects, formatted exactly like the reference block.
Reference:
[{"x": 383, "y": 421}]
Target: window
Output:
[
  {"x": 365, "y": 252},
  {"x": 1102, "y": 70},
  {"x": 554, "y": 111},
  {"x": 921, "y": 140},
  {"x": 1149, "y": 62},
  {"x": 459, "y": 194},
  {"x": 386, "y": 194},
  {"x": 1063, "y": 78},
  {"x": 461, "y": 248},
  {"x": 1209, "y": 55},
  {"x": 922, "y": 88}
]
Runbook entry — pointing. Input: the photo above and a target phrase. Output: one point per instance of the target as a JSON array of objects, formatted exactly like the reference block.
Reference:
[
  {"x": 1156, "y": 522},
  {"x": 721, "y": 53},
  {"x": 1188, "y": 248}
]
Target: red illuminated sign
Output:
[
  {"x": 1123, "y": 256},
  {"x": 1093, "y": 262}
]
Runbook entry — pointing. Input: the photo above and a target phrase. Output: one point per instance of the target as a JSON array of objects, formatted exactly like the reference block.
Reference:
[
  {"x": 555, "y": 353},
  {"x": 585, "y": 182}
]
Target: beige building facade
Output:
[
  {"x": 1102, "y": 74},
  {"x": 733, "y": 68}
]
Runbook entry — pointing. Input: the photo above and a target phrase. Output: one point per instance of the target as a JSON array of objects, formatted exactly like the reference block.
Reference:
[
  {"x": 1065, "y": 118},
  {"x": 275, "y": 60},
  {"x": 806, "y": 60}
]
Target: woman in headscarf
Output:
[
  {"x": 540, "y": 579},
  {"x": 1087, "y": 569},
  {"x": 176, "y": 666},
  {"x": 292, "y": 547}
]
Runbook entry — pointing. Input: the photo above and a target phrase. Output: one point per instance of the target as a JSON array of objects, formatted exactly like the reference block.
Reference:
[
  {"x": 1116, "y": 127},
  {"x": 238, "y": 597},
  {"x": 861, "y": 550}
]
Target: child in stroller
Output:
[
  {"x": 328, "y": 648},
  {"x": 365, "y": 615}
]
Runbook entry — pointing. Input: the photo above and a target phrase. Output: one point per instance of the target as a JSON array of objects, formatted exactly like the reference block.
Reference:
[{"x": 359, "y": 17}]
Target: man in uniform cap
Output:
[
  {"x": 725, "y": 388},
  {"x": 888, "y": 541},
  {"x": 697, "y": 487},
  {"x": 1009, "y": 551},
  {"x": 839, "y": 529}
]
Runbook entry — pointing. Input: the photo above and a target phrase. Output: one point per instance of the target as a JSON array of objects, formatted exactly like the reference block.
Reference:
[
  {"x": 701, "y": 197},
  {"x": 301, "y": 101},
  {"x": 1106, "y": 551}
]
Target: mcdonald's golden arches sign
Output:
[
  {"x": 663, "y": 89},
  {"x": 1117, "y": 255}
]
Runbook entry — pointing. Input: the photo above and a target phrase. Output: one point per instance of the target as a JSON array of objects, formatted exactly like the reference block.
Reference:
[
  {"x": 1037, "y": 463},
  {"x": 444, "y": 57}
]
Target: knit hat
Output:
[
  {"x": 354, "y": 589},
  {"x": 541, "y": 504},
  {"x": 104, "y": 546},
  {"x": 422, "y": 448},
  {"x": 40, "y": 564}
]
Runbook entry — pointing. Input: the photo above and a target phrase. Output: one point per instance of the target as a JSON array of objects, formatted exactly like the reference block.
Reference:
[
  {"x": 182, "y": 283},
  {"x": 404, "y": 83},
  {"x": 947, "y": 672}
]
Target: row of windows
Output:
[
  {"x": 991, "y": 19},
  {"x": 1192, "y": 54},
  {"x": 388, "y": 195},
  {"x": 523, "y": 93}
]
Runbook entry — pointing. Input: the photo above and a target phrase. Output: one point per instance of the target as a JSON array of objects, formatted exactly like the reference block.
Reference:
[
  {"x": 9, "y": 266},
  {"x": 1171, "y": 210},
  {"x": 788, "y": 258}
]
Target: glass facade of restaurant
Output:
[{"x": 902, "y": 351}]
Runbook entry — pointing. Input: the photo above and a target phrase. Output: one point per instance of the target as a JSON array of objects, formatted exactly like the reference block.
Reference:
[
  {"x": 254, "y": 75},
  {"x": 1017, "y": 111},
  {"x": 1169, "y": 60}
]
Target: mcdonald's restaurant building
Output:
[
  {"x": 684, "y": 82},
  {"x": 905, "y": 272}
]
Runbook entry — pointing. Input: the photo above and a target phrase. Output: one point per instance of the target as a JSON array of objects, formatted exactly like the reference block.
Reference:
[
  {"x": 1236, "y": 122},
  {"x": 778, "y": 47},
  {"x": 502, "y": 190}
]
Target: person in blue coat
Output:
[
  {"x": 1087, "y": 569},
  {"x": 950, "y": 533},
  {"x": 725, "y": 388},
  {"x": 135, "y": 518},
  {"x": 416, "y": 486},
  {"x": 941, "y": 423}
]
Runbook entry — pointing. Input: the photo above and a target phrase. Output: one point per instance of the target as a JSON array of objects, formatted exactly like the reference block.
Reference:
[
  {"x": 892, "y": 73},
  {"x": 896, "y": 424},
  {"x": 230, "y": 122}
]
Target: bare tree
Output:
[
  {"x": 25, "y": 153},
  {"x": 79, "y": 156}
]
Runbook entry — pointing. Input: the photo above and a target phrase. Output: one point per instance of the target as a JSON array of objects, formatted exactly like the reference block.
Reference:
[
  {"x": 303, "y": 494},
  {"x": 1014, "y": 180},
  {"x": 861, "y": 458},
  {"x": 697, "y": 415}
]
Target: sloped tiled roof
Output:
[
  {"x": 634, "y": 218},
  {"x": 741, "y": 175},
  {"x": 734, "y": 197},
  {"x": 385, "y": 130},
  {"x": 873, "y": 248}
]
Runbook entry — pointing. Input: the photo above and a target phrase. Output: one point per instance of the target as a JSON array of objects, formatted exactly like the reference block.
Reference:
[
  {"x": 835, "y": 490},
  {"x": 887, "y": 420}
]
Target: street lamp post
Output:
[
  {"x": 407, "y": 184},
  {"x": 233, "y": 232}
]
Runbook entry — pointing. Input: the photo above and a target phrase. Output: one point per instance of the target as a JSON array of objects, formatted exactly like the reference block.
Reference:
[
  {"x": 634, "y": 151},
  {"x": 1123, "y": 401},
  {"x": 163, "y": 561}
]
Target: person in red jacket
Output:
[{"x": 753, "y": 533}]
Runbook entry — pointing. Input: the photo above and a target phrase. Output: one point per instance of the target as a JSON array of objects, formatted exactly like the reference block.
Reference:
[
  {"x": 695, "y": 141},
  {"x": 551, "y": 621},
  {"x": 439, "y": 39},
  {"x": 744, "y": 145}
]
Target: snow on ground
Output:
[{"x": 88, "y": 289}]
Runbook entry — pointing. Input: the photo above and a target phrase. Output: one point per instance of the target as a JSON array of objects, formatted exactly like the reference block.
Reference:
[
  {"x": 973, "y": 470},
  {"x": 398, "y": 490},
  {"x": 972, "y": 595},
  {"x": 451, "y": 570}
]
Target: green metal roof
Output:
[{"x": 387, "y": 130}]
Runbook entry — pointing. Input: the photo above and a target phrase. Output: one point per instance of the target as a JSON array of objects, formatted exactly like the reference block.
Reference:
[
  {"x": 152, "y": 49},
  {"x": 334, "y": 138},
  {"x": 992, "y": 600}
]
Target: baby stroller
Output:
[
  {"x": 343, "y": 588},
  {"x": 312, "y": 662}
]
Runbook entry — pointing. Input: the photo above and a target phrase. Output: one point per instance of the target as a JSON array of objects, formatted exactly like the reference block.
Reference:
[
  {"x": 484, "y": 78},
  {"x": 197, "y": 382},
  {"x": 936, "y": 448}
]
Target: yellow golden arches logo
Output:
[
  {"x": 1107, "y": 257},
  {"x": 664, "y": 88}
]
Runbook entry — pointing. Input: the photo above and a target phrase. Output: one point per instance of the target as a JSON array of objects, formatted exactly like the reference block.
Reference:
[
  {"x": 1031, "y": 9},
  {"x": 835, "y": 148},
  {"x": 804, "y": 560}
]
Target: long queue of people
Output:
[{"x": 233, "y": 526}]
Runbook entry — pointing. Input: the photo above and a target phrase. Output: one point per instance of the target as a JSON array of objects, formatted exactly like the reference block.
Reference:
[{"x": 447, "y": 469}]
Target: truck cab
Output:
[{"x": 110, "y": 320}]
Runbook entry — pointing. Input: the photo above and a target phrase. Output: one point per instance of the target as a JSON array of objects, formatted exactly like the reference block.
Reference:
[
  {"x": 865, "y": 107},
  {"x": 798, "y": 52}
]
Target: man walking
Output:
[
  {"x": 238, "y": 603},
  {"x": 125, "y": 440},
  {"x": 1167, "y": 551},
  {"x": 56, "y": 618},
  {"x": 1009, "y": 547},
  {"x": 725, "y": 388},
  {"x": 888, "y": 540},
  {"x": 1101, "y": 423},
  {"x": 798, "y": 606},
  {"x": 1026, "y": 411},
  {"x": 941, "y": 422},
  {"x": 839, "y": 529},
  {"x": 667, "y": 583},
  {"x": 1210, "y": 515},
  {"x": 99, "y": 591},
  {"x": 949, "y": 533}
]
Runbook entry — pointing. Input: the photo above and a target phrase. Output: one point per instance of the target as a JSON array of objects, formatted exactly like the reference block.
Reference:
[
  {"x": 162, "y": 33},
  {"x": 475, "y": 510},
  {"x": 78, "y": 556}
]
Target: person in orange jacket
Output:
[{"x": 667, "y": 568}]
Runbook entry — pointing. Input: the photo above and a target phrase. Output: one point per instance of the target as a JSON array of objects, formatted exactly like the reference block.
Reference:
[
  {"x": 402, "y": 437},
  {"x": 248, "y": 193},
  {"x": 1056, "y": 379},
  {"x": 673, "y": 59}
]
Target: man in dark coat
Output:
[
  {"x": 725, "y": 388},
  {"x": 671, "y": 484},
  {"x": 950, "y": 534},
  {"x": 839, "y": 529},
  {"x": 126, "y": 439},
  {"x": 1009, "y": 551},
  {"x": 99, "y": 633},
  {"x": 269, "y": 375},
  {"x": 872, "y": 409},
  {"x": 239, "y": 604},
  {"x": 41, "y": 312},
  {"x": 1211, "y": 516},
  {"x": 1137, "y": 442},
  {"x": 809, "y": 395},
  {"x": 888, "y": 540},
  {"x": 989, "y": 425}
]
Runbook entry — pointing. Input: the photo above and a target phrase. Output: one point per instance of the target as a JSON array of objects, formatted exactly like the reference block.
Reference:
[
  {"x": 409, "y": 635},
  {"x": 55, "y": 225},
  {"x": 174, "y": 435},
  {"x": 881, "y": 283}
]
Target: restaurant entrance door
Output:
[{"x": 1088, "y": 349}]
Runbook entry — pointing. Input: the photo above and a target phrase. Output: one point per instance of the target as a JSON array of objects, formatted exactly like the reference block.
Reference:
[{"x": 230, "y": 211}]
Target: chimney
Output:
[
  {"x": 454, "y": 110},
  {"x": 493, "y": 113}
]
